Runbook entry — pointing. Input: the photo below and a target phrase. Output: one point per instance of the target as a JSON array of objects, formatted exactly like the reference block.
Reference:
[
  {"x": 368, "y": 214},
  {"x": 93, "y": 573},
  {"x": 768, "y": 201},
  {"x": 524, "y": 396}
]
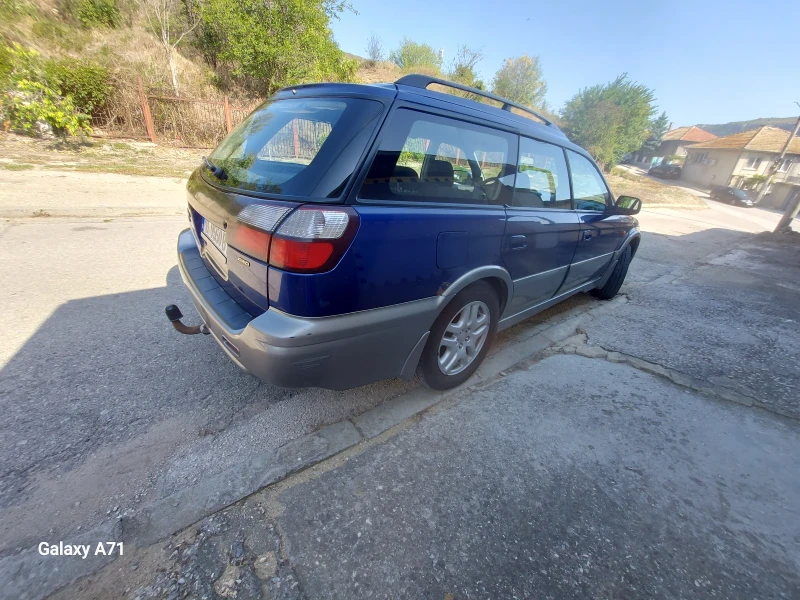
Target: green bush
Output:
[
  {"x": 95, "y": 13},
  {"x": 32, "y": 98},
  {"x": 754, "y": 181},
  {"x": 86, "y": 82},
  {"x": 17, "y": 62},
  {"x": 32, "y": 103}
]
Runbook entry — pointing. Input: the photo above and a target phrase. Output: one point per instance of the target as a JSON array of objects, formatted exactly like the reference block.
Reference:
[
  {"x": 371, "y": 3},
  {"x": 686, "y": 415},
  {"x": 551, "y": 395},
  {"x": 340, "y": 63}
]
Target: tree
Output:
[
  {"x": 462, "y": 67},
  {"x": 520, "y": 80},
  {"x": 269, "y": 45},
  {"x": 171, "y": 23},
  {"x": 658, "y": 128},
  {"x": 610, "y": 120},
  {"x": 374, "y": 49},
  {"x": 411, "y": 56}
]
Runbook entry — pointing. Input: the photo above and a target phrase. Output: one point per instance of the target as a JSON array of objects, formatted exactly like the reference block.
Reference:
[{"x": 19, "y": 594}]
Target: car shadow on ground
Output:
[{"x": 106, "y": 390}]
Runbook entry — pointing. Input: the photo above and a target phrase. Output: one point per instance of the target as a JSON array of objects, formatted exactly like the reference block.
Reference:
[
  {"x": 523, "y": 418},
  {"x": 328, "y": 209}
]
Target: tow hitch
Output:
[{"x": 175, "y": 315}]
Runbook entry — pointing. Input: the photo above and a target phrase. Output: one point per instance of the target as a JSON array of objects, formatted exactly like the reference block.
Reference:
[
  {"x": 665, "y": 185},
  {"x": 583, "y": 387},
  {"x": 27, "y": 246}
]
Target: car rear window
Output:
[{"x": 299, "y": 147}]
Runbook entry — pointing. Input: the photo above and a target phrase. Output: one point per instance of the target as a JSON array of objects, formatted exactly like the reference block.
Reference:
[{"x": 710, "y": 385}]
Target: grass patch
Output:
[
  {"x": 41, "y": 213},
  {"x": 123, "y": 168},
  {"x": 16, "y": 166},
  {"x": 71, "y": 144}
]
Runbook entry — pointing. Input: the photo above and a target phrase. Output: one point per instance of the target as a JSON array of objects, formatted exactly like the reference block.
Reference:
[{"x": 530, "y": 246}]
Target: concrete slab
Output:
[
  {"x": 733, "y": 323},
  {"x": 574, "y": 478}
]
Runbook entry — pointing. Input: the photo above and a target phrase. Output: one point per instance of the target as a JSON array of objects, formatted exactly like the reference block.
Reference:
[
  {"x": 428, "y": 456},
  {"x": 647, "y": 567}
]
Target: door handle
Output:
[
  {"x": 518, "y": 242},
  {"x": 587, "y": 235}
]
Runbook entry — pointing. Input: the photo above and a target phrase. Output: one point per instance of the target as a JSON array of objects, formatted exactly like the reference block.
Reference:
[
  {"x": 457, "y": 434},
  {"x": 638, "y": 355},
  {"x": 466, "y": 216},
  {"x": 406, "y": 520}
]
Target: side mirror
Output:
[{"x": 626, "y": 205}]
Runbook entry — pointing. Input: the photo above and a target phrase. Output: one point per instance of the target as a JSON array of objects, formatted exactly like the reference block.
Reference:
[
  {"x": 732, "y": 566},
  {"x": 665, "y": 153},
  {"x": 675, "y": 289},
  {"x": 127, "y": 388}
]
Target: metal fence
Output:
[{"x": 173, "y": 120}]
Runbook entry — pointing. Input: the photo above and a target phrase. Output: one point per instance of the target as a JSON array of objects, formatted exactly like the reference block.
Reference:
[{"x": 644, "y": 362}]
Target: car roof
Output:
[{"x": 419, "y": 95}]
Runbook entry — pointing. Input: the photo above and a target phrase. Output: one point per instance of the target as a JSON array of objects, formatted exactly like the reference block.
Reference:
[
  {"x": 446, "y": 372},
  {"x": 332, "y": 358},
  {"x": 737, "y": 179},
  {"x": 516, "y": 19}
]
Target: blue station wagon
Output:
[{"x": 344, "y": 234}]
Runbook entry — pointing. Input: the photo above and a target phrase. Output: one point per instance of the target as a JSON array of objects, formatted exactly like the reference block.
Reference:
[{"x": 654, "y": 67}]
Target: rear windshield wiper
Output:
[{"x": 218, "y": 172}]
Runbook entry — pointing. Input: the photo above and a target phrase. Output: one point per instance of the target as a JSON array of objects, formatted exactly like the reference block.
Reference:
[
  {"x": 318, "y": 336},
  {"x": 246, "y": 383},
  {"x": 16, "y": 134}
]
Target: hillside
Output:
[
  {"x": 40, "y": 40},
  {"x": 723, "y": 129}
]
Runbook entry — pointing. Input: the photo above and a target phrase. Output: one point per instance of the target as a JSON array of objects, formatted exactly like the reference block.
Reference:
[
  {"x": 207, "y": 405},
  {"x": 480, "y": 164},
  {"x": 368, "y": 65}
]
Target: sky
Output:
[{"x": 711, "y": 61}]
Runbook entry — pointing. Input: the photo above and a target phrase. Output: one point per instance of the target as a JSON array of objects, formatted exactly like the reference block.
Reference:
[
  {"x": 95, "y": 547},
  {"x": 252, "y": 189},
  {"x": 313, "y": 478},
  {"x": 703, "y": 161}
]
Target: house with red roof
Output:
[
  {"x": 675, "y": 143},
  {"x": 743, "y": 160}
]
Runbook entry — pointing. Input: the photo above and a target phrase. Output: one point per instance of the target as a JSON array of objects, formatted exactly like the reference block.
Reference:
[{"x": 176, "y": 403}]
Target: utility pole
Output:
[{"x": 791, "y": 210}]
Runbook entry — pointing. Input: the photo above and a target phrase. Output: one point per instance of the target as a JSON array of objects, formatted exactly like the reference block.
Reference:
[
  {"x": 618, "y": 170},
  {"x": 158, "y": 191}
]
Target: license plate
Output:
[{"x": 215, "y": 235}]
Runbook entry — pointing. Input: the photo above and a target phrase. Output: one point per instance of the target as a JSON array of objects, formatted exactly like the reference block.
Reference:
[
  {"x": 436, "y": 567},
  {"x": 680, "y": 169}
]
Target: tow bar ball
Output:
[{"x": 175, "y": 315}]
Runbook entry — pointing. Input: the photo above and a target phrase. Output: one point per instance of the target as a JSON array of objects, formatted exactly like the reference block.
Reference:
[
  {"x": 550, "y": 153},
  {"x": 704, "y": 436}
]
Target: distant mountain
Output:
[{"x": 724, "y": 129}]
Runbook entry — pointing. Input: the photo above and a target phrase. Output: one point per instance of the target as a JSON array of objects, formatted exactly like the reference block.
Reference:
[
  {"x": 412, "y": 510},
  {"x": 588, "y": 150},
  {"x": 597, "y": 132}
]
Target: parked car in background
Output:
[
  {"x": 402, "y": 231},
  {"x": 665, "y": 171},
  {"x": 733, "y": 196}
]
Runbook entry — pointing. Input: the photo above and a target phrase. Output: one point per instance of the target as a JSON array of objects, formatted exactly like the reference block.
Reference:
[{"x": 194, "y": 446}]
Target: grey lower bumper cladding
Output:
[{"x": 338, "y": 352}]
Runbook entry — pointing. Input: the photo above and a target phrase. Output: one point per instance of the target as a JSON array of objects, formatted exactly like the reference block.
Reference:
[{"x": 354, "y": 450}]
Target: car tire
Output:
[
  {"x": 479, "y": 297},
  {"x": 732, "y": 202},
  {"x": 614, "y": 283}
]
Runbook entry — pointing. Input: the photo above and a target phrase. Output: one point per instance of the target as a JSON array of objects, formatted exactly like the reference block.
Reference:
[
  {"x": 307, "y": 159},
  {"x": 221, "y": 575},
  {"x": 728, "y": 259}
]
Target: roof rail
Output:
[{"x": 423, "y": 81}]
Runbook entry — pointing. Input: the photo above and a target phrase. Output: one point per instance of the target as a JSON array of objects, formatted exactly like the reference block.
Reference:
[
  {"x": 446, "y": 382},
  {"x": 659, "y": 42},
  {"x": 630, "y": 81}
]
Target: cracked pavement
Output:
[
  {"x": 582, "y": 472},
  {"x": 106, "y": 409}
]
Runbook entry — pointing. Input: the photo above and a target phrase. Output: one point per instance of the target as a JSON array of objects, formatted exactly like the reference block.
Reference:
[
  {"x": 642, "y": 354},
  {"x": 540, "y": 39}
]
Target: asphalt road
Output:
[
  {"x": 103, "y": 402},
  {"x": 105, "y": 406}
]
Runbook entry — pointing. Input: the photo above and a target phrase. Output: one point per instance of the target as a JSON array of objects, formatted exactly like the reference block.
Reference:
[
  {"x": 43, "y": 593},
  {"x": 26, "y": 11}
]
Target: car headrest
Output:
[
  {"x": 440, "y": 172},
  {"x": 404, "y": 173},
  {"x": 523, "y": 181}
]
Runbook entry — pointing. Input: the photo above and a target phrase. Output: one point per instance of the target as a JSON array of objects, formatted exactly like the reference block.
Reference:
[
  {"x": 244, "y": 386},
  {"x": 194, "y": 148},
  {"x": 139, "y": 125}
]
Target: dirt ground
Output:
[
  {"x": 125, "y": 157},
  {"x": 653, "y": 193}
]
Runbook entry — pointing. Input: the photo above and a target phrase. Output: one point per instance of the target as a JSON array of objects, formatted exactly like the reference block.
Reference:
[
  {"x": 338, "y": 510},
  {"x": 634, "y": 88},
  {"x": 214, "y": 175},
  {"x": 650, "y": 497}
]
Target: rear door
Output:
[
  {"x": 600, "y": 233},
  {"x": 431, "y": 204},
  {"x": 542, "y": 229}
]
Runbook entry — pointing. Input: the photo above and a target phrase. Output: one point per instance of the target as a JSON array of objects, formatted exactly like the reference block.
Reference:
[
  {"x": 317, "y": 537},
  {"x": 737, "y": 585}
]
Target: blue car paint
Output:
[
  {"x": 245, "y": 283},
  {"x": 398, "y": 254},
  {"x": 538, "y": 248},
  {"x": 392, "y": 259}
]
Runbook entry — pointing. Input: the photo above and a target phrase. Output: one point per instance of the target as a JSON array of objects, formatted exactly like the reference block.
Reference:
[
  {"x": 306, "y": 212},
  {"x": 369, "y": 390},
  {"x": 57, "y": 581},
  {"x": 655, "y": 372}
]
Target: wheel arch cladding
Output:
[
  {"x": 634, "y": 244},
  {"x": 501, "y": 289},
  {"x": 498, "y": 285}
]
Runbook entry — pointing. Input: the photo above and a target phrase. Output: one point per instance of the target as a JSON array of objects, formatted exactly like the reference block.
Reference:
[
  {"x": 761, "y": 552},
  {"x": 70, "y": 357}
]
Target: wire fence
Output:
[
  {"x": 299, "y": 139},
  {"x": 172, "y": 120}
]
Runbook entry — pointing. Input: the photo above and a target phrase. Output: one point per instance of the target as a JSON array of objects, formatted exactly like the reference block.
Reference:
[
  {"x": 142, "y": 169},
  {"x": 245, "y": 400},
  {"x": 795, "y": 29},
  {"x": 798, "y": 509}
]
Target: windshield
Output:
[
  {"x": 740, "y": 194},
  {"x": 304, "y": 147}
]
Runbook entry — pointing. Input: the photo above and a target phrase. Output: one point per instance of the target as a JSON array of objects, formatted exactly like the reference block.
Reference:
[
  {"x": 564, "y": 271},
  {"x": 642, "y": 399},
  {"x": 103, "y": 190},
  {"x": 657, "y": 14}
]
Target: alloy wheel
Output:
[{"x": 464, "y": 337}]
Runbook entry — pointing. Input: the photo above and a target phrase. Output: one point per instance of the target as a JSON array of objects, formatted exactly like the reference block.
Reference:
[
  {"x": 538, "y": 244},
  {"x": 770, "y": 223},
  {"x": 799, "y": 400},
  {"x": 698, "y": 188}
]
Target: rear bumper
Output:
[{"x": 338, "y": 352}]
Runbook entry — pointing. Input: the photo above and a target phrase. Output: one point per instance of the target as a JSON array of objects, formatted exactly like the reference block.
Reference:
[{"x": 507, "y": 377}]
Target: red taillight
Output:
[
  {"x": 298, "y": 255},
  {"x": 252, "y": 232},
  {"x": 250, "y": 241},
  {"x": 312, "y": 240}
]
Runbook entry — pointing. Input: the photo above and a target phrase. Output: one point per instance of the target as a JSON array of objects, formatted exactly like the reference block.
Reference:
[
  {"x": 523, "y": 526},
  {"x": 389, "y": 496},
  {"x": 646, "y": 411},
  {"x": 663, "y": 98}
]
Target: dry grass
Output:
[
  {"x": 652, "y": 193},
  {"x": 99, "y": 156},
  {"x": 382, "y": 72}
]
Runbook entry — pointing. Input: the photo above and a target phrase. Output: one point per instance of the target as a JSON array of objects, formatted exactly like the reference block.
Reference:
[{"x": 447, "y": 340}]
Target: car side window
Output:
[
  {"x": 542, "y": 180},
  {"x": 589, "y": 191},
  {"x": 429, "y": 158}
]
